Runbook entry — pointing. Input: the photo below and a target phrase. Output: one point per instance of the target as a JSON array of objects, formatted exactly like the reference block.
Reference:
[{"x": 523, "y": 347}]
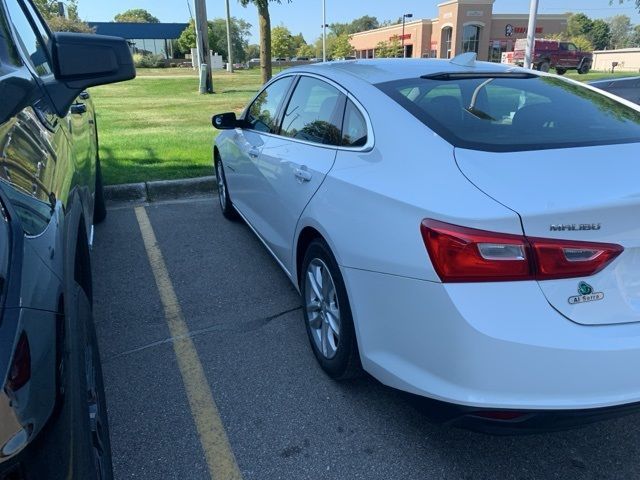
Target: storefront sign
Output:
[
  {"x": 508, "y": 30},
  {"x": 448, "y": 15},
  {"x": 524, "y": 30},
  {"x": 406, "y": 36},
  {"x": 475, "y": 13}
]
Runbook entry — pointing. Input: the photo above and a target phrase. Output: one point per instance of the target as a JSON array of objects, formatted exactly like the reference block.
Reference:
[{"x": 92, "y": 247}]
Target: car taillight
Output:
[
  {"x": 20, "y": 372},
  {"x": 461, "y": 254}
]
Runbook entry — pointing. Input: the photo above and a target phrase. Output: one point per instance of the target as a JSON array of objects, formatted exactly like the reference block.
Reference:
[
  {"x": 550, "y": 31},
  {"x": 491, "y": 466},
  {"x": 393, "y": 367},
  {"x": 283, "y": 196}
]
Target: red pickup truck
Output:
[{"x": 556, "y": 54}]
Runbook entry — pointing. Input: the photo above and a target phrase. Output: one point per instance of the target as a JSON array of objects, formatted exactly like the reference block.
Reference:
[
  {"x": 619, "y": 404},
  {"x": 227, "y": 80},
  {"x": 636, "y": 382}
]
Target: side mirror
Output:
[
  {"x": 81, "y": 61},
  {"x": 225, "y": 121}
]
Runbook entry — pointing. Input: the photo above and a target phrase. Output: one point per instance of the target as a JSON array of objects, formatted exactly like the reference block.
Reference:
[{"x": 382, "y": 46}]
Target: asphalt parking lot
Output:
[{"x": 246, "y": 350}]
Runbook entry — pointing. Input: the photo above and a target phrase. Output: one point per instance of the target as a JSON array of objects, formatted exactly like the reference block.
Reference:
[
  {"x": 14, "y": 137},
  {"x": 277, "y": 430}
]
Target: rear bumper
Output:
[
  {"x": 513, "y": 422},
  {"x": 490, "y": 346}
]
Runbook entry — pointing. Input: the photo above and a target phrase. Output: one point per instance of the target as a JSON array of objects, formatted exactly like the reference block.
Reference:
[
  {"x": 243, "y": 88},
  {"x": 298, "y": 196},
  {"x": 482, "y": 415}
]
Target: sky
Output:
[{"x": 305, "y": 16}]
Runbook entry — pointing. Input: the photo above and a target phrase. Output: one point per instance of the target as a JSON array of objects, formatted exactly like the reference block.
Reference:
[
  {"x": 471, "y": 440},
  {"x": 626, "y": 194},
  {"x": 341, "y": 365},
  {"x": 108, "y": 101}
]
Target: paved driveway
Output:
[{"x": 242, "y": 363}]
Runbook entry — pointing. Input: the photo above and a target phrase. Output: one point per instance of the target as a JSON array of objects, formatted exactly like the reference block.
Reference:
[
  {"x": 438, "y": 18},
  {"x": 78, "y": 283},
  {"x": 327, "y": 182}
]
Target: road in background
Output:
[{"x": 284, "y": 418}]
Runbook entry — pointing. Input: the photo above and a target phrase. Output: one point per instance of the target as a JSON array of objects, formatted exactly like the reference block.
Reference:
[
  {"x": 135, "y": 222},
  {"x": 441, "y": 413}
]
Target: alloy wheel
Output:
[
  {"x": 222, "y": 188},
  {"x": 323, "y": 310}
]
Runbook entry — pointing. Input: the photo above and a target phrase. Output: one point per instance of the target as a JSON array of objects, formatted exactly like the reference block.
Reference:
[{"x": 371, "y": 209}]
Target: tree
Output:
[
  {"x": 389, "y": 49},
  {"x": 240, "y": 32},
  {"x": 342, "y": 46},
  {"x": 620, "y": 26},
  {"x": 308, "y": 51},
  {"x": 635, "y": 37},
  {"x": 135, "y": 15},
  {"x": 265, "y": 34},
  {"x": 361, "y": 24},
  {"x": 72, "y": 23},
  {"x": 252, "y": 51},
  {"x": 282, "y": 45},
  {"x": 582, "y": 42},
  {"x": 579, "y": 24},
  {"x": 600, "y": 35}
]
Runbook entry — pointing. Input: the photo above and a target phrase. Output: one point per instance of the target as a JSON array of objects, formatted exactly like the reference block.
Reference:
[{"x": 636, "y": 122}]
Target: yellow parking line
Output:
[{"x": 213, "y": 438}]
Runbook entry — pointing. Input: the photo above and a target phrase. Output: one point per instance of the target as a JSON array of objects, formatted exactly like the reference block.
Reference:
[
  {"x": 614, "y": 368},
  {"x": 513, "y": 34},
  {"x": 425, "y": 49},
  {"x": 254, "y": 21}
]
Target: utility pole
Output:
[
  {"x": 202, "y": 38},
  {"x": 230, "y": 54},
  {"x": 324, "y": 30},
  {"x": 531, "y": 33}
]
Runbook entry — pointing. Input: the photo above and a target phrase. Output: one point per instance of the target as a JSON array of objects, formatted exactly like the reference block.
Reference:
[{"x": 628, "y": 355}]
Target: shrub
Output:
[{"x": 148, "y": 60}]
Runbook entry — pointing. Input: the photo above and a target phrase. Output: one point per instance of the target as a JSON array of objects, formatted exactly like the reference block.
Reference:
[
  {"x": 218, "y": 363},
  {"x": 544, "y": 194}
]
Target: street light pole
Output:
[
  {"x": 229, "y": 52},
  {"x": 404, "y": 16},
  {"x": 531, "y": 33},
  {"x": 324, "y": 30}
]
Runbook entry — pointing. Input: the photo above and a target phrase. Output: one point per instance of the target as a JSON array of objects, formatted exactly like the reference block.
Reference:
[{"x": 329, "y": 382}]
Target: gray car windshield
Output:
[{"x": 506, "y": 113}]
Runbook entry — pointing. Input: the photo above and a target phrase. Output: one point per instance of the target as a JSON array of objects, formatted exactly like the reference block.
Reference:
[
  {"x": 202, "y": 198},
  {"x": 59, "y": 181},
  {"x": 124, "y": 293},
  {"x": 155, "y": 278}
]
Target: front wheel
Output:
[
  {"x": 561, "y": 71},
  {"x": 327, "y": 313},
  {"x": 223, "y": 192}
]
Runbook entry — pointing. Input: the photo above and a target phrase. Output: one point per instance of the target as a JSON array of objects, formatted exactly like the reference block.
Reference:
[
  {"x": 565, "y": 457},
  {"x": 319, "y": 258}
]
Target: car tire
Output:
[
  {"x": 224, "y": 199},
  {"x": 327, "y": 313},
  {"x": 584, "y": 70},
  {"x": 67, "y": 447},
  {"x": 544, "y": 66},
  {"x": 561, "y": 71},
  {"x": 99, "y": 204}
]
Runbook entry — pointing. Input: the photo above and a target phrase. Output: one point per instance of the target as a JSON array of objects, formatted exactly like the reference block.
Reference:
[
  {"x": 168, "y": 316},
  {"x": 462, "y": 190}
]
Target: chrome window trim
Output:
[{"x": 370, "y": 135}]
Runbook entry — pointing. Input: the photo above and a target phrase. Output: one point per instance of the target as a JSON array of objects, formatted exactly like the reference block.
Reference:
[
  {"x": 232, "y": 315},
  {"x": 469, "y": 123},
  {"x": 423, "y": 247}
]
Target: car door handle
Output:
[
  {"x": 254, "y": 153},
  {"x": 302, "y": 174},
  {"x": 78, "y": 108}
]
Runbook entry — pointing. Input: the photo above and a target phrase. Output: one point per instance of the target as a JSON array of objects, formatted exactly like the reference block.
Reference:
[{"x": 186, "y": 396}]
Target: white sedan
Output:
[{"x": 463, "y": 231}]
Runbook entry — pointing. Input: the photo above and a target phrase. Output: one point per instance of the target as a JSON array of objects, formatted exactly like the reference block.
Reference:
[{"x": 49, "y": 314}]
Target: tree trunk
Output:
[{"x": 265, "y": 42}]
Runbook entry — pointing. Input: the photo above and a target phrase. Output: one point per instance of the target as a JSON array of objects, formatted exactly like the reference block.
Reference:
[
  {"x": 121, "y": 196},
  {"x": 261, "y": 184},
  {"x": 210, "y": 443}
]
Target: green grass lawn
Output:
[
  {"x": 154, "y": 128},
  {"x": 157, "y": 127}
]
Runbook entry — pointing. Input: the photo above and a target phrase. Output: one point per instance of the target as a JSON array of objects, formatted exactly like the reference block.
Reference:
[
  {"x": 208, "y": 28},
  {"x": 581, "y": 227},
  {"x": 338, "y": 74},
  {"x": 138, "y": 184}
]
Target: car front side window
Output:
[
  {"x": 314, "y": 113},
  {"x": 262, "y": 114},
  {"x": 34, "y": 47}
]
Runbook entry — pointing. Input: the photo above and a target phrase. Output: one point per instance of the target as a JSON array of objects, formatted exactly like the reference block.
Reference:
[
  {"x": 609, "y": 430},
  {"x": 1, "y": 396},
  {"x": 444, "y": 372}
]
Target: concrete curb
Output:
[{"x": 160, "y": 190}]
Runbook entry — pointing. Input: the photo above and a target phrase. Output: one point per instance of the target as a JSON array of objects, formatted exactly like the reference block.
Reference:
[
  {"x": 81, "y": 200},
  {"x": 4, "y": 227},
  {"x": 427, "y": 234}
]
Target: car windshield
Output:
[{"x": 505, "y": 113}]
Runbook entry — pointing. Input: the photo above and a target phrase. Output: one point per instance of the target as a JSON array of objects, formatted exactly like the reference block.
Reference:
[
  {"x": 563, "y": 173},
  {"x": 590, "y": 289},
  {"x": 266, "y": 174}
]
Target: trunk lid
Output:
[{"x": 589, "y": 194}]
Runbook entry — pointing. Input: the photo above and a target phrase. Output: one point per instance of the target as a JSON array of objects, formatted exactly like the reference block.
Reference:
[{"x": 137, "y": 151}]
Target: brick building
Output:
[{"x": 461, "y": 26}]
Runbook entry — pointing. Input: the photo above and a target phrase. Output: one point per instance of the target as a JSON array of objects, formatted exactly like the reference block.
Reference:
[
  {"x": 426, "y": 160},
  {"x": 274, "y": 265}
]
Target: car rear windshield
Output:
[{"x": 514, "y": 112}]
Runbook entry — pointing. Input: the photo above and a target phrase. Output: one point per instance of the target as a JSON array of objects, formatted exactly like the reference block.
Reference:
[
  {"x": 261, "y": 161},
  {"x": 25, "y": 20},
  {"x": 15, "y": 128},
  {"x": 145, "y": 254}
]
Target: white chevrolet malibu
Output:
[{"x": 463, "y": 231}]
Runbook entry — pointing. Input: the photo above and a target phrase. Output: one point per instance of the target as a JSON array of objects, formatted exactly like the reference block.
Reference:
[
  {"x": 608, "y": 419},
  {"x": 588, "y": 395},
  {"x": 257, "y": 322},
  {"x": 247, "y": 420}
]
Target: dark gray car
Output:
[
  {"x": 628, "y": 87},
  {"x": 53, "y": 420}
]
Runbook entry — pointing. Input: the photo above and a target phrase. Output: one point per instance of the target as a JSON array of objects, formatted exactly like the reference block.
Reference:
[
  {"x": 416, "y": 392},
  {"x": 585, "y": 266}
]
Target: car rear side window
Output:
[
  {"x": 35, "y": 48},
  {"x": 262, "y": 114},
  {"x": 515, "y": 112},
  {"x": 314, "y": 113},
  {"x": 354, "y": 127}
]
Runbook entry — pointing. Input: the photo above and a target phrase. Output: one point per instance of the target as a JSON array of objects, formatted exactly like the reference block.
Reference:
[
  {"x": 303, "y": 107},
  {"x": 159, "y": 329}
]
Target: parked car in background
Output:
[
  {"x": 442, "y": 236},
  {"x": 549, "y": 54},
  {"x": 53, "y": 418},
  {"x": 627, "y": 88}
]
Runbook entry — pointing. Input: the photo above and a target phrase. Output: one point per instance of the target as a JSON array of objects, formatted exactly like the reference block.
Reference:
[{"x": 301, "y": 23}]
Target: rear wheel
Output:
[
  {"x": 584, "y": 69},
  {"x": 327, "y": 313},
  {"x": 561, "y": 71},
  {"x": 76, "y": 443},
  {"x": 223, "y": 192},
  {"x": 544, "y": 66}
]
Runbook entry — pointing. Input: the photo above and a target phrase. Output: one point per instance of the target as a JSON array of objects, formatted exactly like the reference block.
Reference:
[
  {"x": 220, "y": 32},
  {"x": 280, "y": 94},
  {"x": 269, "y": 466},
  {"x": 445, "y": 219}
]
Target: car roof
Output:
[{"x": 385, "y": 70}]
